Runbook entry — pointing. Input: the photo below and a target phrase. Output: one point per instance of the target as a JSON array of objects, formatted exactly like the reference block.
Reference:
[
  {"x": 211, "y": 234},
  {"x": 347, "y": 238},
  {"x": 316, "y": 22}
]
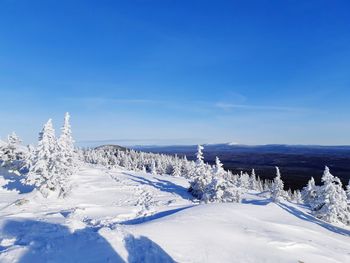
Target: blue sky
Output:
[{"x": 166, "y": 72}]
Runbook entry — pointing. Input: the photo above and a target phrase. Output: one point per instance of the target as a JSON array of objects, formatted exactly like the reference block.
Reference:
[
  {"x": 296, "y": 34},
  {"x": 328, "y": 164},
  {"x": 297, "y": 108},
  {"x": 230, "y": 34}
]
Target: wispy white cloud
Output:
[{"x": 229, "y": 106}]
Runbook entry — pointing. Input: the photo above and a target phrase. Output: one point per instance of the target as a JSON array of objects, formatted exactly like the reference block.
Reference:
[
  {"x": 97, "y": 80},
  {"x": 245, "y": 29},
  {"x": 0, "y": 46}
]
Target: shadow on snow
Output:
[
  {"x": 163, "y": 185},
  {"x": 46, "y": 242},
  {"x": 14, "y": 182},
  {"x": 256, "y": 202},
  {"x": 142, "y": 249},
  {"x": 144, "y": 219},
  {"x": 310, "y": 218}
]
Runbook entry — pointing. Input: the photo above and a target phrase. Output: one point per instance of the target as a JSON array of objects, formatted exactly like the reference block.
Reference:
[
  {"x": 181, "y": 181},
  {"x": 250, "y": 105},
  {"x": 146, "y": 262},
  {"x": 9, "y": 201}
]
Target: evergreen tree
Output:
[
  {"x": 153, "y": 168},
  {"x": 297, "y": 197},
  {"x": 176, "y": 169},
  {"x": 277, "y": 192},
  {"x": 66, "y": 144},
  {"x": 332, "y": 202},
  {"x": 348, "y": 192},
  {"x": 253, "y": 182},
  {"x": 11, "y": 152},
  {"x": 309, "y": 193},
  {"x": 218, "y": 168},
  {"x": 201, "y": 176},
  {"x": 44, "y": 172},
  {"x": 244, "y": 181},
  {"x": 199, "y": 155},
  {"x": 221, "y": 190}
]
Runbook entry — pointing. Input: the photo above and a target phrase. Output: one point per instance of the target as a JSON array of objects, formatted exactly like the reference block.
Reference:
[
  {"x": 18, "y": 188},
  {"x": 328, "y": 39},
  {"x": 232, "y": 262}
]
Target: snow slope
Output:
[{"x": 123, "y": 216}]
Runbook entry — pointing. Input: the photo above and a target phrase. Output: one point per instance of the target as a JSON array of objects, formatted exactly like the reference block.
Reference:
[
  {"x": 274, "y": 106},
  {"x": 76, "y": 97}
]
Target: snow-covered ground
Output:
[{"x": 123, "y": 216}]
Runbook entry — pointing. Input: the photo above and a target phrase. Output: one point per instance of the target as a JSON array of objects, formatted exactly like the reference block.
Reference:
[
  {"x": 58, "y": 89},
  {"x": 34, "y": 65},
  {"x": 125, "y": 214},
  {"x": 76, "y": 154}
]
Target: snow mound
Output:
[{"x": 122, "y": 216}]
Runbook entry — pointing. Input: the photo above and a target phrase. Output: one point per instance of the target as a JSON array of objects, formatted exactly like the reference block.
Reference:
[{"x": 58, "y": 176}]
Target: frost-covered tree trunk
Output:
[{"x": 277, "y": 192}]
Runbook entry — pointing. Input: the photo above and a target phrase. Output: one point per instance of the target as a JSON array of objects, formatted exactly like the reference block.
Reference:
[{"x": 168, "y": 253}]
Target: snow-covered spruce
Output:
[
  {"x": 348, "y": 192},
  {"x": 211, "y": 185},
  {"x": 277, "y": 192},
  {"x": 331, "y": 204},
  {"x": 12, "y": 152},
  {"x": 309, "y": 193},
  {"x": 52, "y": 161}
]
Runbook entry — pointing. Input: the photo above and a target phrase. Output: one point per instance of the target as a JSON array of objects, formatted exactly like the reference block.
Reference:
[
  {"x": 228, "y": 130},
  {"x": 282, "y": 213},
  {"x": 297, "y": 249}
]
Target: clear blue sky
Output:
[{"x": 252, "y": 72}]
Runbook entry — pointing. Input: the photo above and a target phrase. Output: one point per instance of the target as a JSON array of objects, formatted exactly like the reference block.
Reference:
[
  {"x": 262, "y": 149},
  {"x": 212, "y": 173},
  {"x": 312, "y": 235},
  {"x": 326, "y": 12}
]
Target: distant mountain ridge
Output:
[
  {"x": 111, "y": 147},
  {"x": 297, "y": 162},
  {"x": 241, "y": 148}
]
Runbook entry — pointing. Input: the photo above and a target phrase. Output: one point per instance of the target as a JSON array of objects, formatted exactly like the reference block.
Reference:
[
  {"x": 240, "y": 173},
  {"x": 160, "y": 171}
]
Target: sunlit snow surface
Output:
[{"x": 122, "y": 216}]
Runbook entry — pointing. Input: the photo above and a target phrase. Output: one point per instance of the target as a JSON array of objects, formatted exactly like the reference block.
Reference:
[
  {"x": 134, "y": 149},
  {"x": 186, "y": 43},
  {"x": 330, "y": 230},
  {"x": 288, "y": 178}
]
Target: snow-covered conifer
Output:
[
  {"x": 153, "y": 168},
  {"x": 12, "y": 152},
  {"x": 297, "y": 197},
  {"x": 348, "y": 191},
  {"x": 221, "y": 190},
  {"x": 66, "y": 144},
  {"x": 44, "y": 172},
  {"x": 332, "y": 203},
  {"x": 277, "y": 192},
  {"x": 309, "y": 193},
  {"x": 201, "y": 176},
  {"x": 253, "y": 182},
  {"x": 218, "y": 168},
  {"x": 176, "y": 169}
]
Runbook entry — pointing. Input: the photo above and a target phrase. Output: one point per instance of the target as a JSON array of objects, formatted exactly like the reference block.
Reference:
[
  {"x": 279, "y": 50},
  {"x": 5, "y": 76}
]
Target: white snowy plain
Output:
[{"x": 122, "y": 216}]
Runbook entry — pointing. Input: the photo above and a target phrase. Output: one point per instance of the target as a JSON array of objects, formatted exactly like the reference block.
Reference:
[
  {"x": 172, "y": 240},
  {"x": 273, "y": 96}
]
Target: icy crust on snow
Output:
[{"x": 122, "y": 216}]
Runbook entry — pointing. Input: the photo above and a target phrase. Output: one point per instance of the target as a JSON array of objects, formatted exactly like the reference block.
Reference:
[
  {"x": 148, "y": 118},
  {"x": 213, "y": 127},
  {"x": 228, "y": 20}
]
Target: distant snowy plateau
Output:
[{"x": 122, "y": 216}]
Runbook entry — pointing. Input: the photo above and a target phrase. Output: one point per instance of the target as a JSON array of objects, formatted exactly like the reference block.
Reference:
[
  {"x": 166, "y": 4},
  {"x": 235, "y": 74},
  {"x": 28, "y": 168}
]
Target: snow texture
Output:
[{"x": 115, "y": 215}]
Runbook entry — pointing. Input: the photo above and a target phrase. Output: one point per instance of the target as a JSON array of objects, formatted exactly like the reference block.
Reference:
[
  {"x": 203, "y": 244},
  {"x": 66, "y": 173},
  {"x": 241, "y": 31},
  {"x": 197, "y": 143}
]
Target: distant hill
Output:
[{"x": 111, "y": 147}]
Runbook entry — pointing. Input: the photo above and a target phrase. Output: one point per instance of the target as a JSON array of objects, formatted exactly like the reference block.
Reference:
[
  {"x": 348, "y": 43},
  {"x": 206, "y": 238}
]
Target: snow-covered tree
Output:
[
  {"x": 332, "y": 203},
  {"x": 11, "y": 152},
  {"x": 201, "y": 176},
  {"x": 348, "y": 191},
  {"x": 289, "y": 195},
  {"x": 244, "y": 181},
  {"x": 44, "y": 172},
  {"x": 51, "y": 163},
  {"x": 153, "y": 168},
  {"x": 221, "y": 190},
  {"x": 176, "y": 169},
  {"x": 297, "y": 197},
  {"x": 277, "y": 192},
  {"x": 218, "y": 168},
  {"x": 253, "y": 182},
  {"x": 66, "y": 144},
  {"x": 309, "y": 193}
]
